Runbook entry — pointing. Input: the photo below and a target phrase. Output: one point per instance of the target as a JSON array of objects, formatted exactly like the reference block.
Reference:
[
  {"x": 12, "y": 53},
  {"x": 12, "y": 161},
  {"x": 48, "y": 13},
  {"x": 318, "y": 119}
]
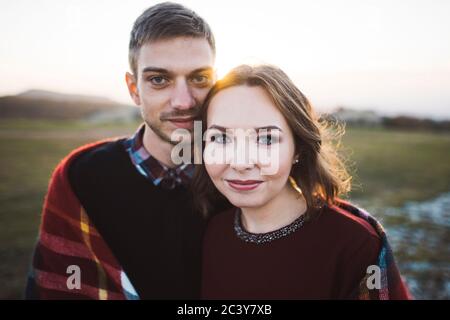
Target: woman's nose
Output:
[
  {"x": 242, "y": 158},
  {"x": 241, "y": 166}
]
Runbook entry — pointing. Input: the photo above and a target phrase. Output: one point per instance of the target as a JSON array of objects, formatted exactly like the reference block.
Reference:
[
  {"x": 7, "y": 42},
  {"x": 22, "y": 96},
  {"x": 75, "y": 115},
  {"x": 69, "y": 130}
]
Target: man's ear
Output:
[{"x": 132, "y": 88}]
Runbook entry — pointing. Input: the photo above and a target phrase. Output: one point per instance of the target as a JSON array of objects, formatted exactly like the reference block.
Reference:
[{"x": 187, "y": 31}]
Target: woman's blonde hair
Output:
[{"x": 320, "y": 173}]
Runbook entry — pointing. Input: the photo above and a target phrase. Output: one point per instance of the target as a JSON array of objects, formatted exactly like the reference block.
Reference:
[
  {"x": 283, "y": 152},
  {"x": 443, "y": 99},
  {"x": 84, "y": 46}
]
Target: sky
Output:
[{"x": 389, "y": 56}]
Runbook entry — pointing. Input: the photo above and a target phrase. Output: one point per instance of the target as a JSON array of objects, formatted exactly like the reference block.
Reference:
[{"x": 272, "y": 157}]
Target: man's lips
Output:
[
  {"x": 244, "y": 185},
  {"x": 182, "y": 122},
  {"x": 182, "y": 119}
]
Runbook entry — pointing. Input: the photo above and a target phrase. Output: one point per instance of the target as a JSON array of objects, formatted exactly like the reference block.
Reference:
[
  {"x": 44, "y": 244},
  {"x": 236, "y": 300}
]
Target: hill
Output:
[{"x": 40, "y": 104}]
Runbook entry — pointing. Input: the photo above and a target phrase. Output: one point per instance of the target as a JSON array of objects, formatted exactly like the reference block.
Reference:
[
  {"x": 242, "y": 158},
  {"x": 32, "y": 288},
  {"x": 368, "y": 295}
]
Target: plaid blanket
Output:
[
  {"x": 392, "y": 286},
  {"x": 67, "y": 238}
]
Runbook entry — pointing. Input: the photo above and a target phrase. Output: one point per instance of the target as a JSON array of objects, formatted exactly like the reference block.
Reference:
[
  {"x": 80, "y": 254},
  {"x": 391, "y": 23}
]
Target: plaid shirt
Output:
[{"x": 152, "y": 169}]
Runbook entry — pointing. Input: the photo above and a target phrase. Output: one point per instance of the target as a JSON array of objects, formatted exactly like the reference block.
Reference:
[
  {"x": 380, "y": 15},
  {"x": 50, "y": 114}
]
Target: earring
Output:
[
  {"x": 295, "y": 185},
  {"x": 295, "y": 161}
]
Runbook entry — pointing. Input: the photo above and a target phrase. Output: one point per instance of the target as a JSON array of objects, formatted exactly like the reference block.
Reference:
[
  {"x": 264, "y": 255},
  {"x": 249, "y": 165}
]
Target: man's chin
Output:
[
  {"x": 176, "y": 136},
  {"x": 172, "y": 135}
]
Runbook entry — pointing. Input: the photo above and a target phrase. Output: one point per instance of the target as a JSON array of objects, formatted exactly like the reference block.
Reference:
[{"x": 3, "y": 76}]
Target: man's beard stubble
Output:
[
  {"x": 164, "y": 137},
  {"x": 192, "y": 113}
]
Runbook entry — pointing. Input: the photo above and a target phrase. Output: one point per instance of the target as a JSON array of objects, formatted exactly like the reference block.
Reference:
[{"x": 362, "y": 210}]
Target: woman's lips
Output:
[{"x": 244, "y": 185}]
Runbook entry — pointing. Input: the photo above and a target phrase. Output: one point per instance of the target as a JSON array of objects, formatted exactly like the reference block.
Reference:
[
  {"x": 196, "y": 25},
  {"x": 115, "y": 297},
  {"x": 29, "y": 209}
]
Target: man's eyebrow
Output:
[
  {"x": 165, "y": 71},
  {"x": 155, "y": 69},
  {"x": 203, "y": 69}
]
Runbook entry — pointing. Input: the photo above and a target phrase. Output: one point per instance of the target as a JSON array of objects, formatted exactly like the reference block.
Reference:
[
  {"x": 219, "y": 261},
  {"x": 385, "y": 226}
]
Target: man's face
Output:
[{"x": 173, "y": 78}]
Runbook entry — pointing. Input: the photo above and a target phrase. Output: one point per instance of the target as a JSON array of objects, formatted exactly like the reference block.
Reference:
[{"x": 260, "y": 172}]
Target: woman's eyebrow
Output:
[
  {"x": 220, "y": 128},
  {"x": 267, "y": 128}
]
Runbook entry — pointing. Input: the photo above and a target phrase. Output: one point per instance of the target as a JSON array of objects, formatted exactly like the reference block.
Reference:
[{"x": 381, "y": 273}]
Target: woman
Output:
[{"x": 288, "y": 234}]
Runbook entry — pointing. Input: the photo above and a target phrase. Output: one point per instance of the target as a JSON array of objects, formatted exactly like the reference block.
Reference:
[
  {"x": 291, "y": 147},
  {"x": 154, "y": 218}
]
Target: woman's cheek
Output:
[
  {"x": 276, "y": 160},
  {"x": 217, "y": 154},
  {"x": 269, "y": 160},
  {"x": 215, "y": 171}
]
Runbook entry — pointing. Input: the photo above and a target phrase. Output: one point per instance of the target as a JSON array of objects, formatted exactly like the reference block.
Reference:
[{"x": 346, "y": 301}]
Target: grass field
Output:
[
  {"x": 390, "y": 167},
  {"x": 396, "y": 166}
]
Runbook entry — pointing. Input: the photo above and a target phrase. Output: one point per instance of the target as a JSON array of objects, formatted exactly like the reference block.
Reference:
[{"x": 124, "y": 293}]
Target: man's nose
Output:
[{"x": 182, "y": 97}]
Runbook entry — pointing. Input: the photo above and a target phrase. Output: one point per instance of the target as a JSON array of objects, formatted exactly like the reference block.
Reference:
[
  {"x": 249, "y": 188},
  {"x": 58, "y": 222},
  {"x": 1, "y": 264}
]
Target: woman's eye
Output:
[
  {"x": 158, "y": 81},
  {"x": 220, "y": 138},
  {"x": 267, "y": 139}
]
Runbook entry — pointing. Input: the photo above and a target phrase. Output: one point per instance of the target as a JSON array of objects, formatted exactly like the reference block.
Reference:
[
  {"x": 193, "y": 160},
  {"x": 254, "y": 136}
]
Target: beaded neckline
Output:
[{"x": 260, "y": 238}]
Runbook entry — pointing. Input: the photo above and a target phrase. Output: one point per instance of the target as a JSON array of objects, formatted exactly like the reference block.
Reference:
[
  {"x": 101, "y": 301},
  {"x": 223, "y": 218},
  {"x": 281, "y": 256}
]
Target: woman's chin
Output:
[{"x": 242, "y": 202}]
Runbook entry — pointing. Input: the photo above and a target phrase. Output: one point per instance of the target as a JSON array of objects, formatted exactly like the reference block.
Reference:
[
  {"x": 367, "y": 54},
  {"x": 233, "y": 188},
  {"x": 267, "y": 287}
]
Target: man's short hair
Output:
[{"x": 164, "y": 21}]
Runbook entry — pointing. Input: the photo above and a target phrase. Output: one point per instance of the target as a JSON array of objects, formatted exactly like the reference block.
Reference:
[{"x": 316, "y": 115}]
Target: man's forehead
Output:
[{"x": 178, "y": 55}]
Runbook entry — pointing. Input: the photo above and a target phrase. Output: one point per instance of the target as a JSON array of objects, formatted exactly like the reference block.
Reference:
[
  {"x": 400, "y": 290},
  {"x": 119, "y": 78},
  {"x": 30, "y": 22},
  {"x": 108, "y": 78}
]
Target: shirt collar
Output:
[{"x": 154, "y": 170}]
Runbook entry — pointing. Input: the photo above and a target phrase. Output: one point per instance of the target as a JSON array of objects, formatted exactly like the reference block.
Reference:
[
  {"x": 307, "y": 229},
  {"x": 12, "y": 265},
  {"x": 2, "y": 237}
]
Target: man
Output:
[{"x": 118, "y": 220}]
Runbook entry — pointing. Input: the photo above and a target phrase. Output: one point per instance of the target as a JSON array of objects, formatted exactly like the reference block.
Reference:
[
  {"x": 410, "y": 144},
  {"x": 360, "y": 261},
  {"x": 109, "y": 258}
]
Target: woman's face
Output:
[{"x": 249, "y": 148}]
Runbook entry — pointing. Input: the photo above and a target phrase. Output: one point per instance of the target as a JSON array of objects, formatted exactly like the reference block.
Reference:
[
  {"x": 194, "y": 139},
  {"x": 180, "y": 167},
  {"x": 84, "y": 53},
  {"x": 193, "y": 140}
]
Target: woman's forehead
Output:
[{"x": 244, "y": 107}]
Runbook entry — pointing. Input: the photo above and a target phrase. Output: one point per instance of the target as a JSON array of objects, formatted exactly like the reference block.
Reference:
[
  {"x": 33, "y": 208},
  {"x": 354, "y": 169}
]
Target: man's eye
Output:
[
  {"x": 158, "y": 80},
  {"x": 220, "y": 138},
  {"x": 267, "y": 139},
  {"x": 200, "y": 80}
]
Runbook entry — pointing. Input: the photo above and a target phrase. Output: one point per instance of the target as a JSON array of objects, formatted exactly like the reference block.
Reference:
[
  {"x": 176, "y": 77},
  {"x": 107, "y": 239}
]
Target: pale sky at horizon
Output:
[{"x": 389, "y": 56}]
